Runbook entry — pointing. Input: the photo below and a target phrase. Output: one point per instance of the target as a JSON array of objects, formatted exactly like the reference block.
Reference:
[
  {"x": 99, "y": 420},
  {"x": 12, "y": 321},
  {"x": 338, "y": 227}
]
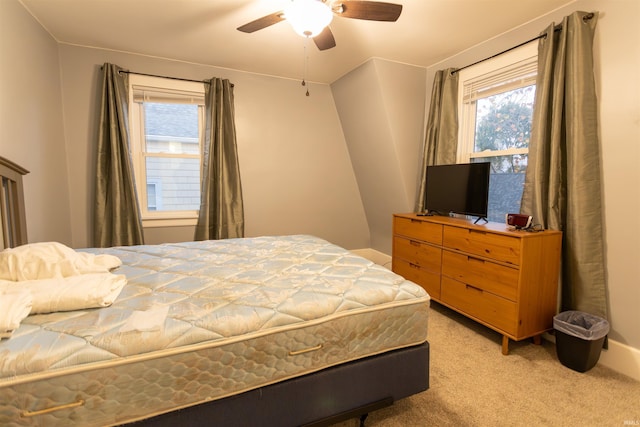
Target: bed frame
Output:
[
  {"x": 13, "y": 231},
  {"x": 322, "y": 398}
]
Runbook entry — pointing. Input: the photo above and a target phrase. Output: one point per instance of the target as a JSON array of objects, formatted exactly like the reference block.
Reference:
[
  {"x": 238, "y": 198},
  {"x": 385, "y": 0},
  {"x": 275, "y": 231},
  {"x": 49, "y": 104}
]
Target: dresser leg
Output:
[
  {"x": 505, "y": 345},
  {"x": 537, "y": 339}
]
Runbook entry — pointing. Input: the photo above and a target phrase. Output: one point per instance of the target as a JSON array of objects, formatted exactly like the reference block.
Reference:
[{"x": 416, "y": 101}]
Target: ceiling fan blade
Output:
[
  {"x": 263, "y": 22},
  {"x": 325, "y": 39},
  {"x": 369, "y": 10}
]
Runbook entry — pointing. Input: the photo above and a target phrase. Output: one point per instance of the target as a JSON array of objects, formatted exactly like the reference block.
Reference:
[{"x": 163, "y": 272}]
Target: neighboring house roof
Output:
[{"x": 177, "y": 120}]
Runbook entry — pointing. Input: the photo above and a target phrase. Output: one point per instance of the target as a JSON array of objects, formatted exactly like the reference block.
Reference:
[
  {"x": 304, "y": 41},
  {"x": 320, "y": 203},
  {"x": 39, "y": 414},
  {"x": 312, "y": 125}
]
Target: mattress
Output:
[{"x": 200, "y": 321}]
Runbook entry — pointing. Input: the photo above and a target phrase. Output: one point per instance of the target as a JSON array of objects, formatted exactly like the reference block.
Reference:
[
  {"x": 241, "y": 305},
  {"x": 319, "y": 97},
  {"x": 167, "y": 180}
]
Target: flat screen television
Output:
[{"x": 461, "y": 188}]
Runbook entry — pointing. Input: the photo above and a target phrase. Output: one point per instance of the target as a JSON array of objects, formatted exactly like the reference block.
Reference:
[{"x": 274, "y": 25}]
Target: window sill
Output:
[{"x": 168, "y": 222}]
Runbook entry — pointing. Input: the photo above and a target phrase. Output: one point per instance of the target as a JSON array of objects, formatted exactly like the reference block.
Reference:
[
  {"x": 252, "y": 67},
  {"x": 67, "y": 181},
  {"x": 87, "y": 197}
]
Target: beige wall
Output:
[
  {"x": 295, "y": 168},
  {"x": 381, "y": 106},
  {"x": 617, "y": 66},
  {"x": 617, "y": 50},
  {"x": 31, "y": 126},
  {"x": 296, "y": 163}
]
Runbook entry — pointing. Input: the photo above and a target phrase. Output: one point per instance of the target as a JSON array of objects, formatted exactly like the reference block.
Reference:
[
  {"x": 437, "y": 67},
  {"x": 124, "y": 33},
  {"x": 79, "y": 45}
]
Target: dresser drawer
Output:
[
  {"x": 492, "y": 309},
  {"x": 418, "y": 230},
  {"x": 416, "y": 252},
  {"x": 429, "y": 280},
  {"x": 498, "y": 279},
  {"x": 496, "y": 246}
]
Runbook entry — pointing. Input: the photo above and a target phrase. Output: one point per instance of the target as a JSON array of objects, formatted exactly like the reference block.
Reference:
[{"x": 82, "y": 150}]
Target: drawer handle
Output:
[
  {"x": 473, "y": 259},
  {"x": 415, "y": 220},
  {"x": 414, "y": 243},
  {"x": 474, "y": 288},
  {"x": 305, "y": 350},
  {"x": 26, "y": 414},
  {"x": 412, "y": 265}
]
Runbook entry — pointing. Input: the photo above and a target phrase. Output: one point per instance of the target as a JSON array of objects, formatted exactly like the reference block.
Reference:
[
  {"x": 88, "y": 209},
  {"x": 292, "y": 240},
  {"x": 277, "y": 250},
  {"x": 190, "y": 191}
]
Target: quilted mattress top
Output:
[{"x": 183, "y": 295}]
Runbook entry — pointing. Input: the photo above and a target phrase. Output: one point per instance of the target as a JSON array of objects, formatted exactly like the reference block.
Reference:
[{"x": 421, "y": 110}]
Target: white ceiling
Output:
[{"x": 204, "y": 32}]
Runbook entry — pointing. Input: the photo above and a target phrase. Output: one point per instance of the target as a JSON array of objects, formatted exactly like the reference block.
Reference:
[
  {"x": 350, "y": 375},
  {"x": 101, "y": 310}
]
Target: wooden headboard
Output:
[{"x": 12, "y": 215}]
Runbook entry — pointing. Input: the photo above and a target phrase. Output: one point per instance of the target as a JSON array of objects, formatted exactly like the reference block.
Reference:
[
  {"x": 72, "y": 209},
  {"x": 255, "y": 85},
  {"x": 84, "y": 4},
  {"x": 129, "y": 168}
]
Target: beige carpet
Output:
[{"x": 473, "y": 384}]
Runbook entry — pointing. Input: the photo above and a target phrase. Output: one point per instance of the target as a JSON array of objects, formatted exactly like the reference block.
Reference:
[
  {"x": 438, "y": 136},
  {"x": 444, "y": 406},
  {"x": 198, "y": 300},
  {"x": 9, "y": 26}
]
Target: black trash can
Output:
[{"x": 579, "y": 339}]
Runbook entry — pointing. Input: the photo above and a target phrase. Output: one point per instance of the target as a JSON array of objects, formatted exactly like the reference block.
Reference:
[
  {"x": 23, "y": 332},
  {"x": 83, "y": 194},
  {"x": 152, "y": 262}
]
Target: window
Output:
[
  {"x": 166, "y": 122},
  {"x": 495, "y": 101},
  {"x": 154, "y": 193}
]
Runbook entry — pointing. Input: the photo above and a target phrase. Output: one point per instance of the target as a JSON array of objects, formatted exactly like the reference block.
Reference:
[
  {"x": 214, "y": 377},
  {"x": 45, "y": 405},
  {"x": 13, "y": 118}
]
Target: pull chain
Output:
[{"x": 305, "y": 65}]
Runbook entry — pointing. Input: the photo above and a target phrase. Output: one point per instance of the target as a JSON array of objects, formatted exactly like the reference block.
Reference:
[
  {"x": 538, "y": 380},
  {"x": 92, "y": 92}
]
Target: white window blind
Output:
[
  {"x": 508, "y": 78},
  {"x": 166, "y": 96}
]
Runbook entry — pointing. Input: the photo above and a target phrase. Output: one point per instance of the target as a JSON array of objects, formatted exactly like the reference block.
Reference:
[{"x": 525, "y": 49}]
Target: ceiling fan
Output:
[{"x": 311, "y": 18}]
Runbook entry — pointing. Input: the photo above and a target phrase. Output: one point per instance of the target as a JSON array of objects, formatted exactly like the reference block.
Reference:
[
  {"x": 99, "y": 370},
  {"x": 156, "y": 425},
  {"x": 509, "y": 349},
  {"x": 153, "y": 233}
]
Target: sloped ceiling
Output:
[{"x": 204, "y": 32}]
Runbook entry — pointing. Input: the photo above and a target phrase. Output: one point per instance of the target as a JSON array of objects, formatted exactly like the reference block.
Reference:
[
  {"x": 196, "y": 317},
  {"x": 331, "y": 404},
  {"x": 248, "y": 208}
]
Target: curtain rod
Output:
[
  {"x": 166, "y": 77},
  {"x": 558, "y": 28}
]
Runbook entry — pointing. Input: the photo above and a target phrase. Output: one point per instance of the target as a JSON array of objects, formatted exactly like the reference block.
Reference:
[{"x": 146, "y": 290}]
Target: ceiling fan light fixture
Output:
[{"x": 308, "y": 17}]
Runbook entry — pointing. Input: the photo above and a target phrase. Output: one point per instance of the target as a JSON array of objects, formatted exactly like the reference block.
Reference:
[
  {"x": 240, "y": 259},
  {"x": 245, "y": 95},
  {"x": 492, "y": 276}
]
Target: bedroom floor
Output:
[{"x": 473, "y": 384}]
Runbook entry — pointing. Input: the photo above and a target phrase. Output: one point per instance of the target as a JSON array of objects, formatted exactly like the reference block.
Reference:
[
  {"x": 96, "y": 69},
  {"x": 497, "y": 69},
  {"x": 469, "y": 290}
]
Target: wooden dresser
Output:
[{"x": 505, "y": 279}]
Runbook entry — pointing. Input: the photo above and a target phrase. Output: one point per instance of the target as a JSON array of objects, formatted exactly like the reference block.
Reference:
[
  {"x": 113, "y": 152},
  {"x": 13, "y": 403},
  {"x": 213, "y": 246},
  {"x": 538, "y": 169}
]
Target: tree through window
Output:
[{"x": 496, "y": 108}]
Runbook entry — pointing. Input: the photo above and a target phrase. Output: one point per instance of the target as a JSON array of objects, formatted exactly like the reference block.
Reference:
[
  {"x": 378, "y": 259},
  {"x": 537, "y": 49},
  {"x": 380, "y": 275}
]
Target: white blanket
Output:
[
  {"x": 49, "y": 260},
  {"x": 49, "y": 277},
  {"x": 70, "y": 293},
  {"x": 15, "y": 305}
]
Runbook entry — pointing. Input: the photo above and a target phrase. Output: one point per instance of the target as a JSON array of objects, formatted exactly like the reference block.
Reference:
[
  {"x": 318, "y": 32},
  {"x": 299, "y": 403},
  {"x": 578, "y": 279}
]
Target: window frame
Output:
[
  {"x": 158, "y": 89},
  {"x": 157, "y": 186},
  {"x": 491, "y": 69},
  {"x": 506, "y": 72}
]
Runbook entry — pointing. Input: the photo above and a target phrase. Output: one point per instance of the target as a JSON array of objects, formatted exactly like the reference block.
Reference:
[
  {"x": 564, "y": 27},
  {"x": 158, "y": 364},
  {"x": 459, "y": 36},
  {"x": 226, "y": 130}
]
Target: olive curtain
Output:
[
  {"x": 221, "y": 213},
  {"x": 441, "y": 136},
  {"x": 562, "y": 185},
  {"x": 116, "y": 213}
]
